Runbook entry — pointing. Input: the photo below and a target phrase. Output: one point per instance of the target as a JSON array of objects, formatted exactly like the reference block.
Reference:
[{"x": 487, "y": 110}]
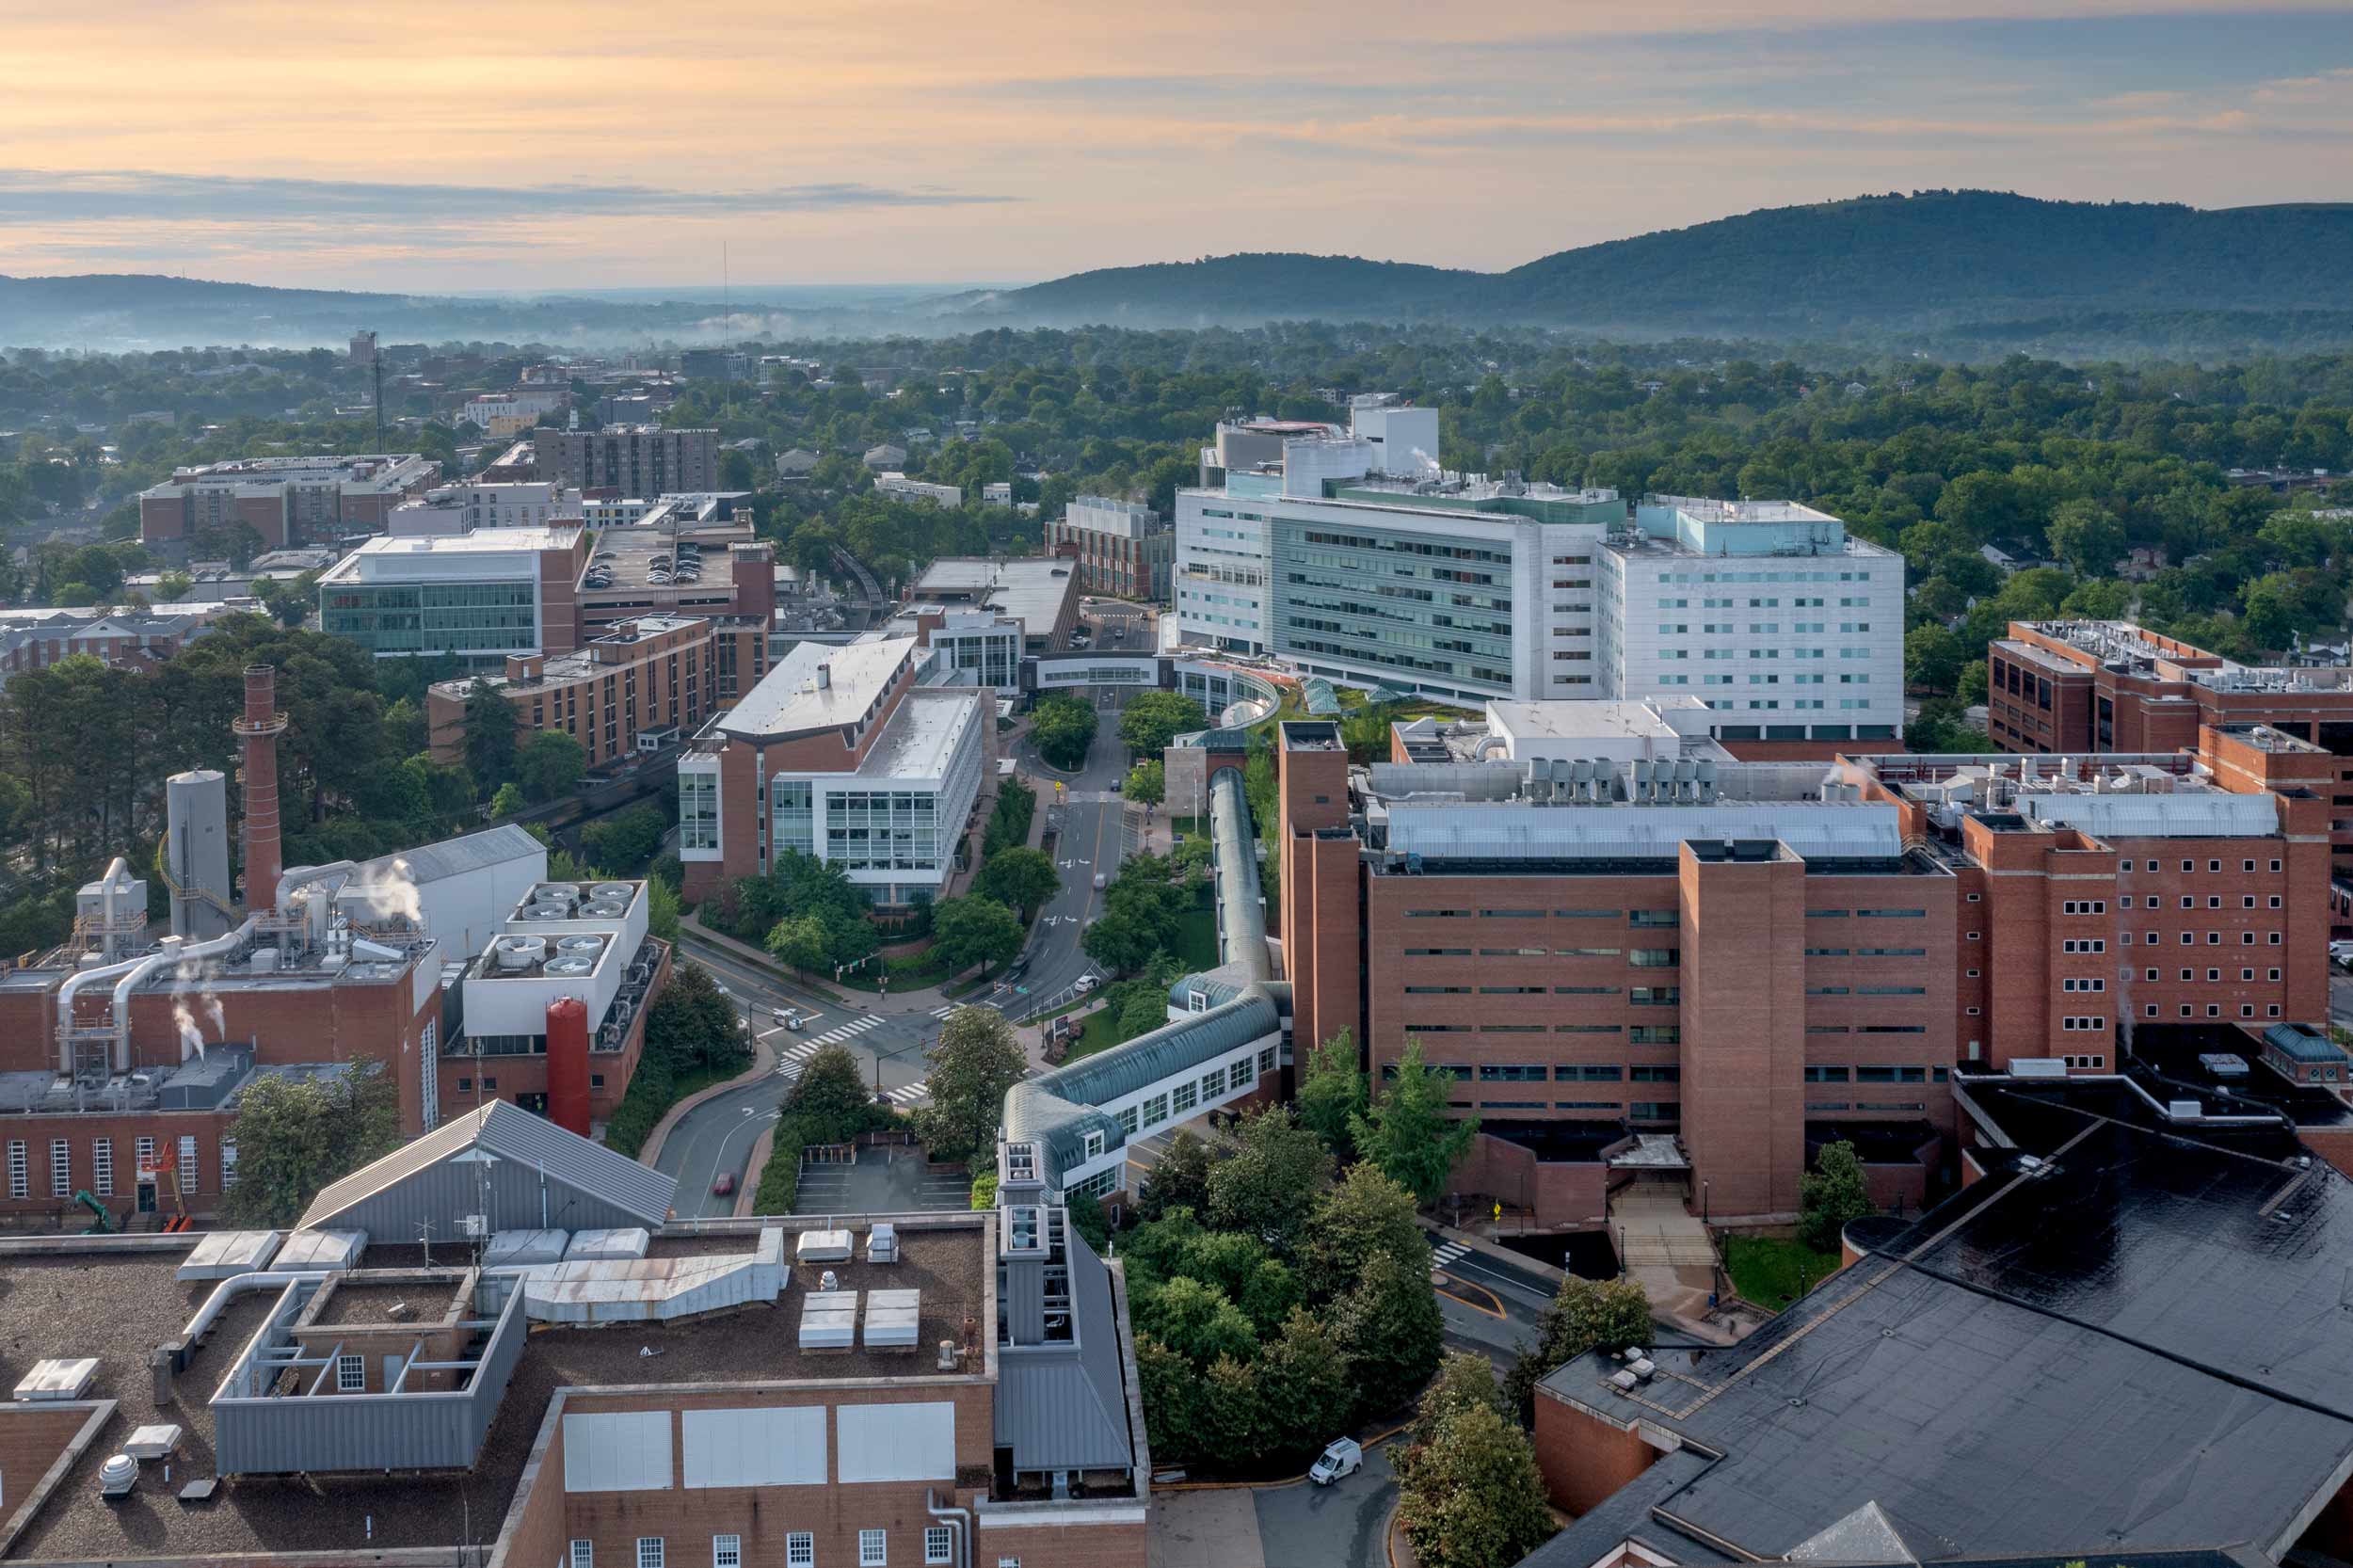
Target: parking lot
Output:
[{"x": 885, "y": 1180}]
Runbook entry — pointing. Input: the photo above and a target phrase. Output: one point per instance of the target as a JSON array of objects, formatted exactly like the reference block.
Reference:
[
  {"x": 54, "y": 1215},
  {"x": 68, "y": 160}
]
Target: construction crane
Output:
[{"x": 105, "y": 1224}]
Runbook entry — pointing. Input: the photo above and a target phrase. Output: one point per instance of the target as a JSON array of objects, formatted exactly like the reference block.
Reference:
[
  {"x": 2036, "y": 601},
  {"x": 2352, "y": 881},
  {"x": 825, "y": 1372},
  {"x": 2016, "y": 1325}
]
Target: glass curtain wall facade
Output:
[
  {"x": 1398, "y": 600},
  {"x": 478, "y": 619}
]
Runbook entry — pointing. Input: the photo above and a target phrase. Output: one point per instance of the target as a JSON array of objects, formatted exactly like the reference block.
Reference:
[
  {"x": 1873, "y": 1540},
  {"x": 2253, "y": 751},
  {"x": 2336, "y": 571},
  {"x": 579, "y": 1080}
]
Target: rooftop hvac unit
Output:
[
  {"x": 265, "y": 960},
  {"x": 602, "y": 910},
  {"x": 548, "y": 912},
  {"x": 555, "y": 892},
  {"x": 118, "y": 1475},
  {"x": 822, "y": 1246},
  {"x": 891, "y": 1320},
  {"x": 882, "y": 1242},
  {"x": 57, "y": 1378},
  {"x": 521, "y": 953},
  {"x": 580, "y": 947},
  {"x": 571, "y": 967},
  {"x": 828, "y": 1319},
  {"x": 622, "y": 891}
]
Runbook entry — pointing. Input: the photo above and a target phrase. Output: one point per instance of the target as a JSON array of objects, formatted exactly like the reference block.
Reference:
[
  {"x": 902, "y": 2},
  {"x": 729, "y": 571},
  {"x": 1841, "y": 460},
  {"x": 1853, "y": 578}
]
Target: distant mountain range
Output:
[
  {"x": 1931, "y": 259},
  {"x": 1977, "y": 270}
]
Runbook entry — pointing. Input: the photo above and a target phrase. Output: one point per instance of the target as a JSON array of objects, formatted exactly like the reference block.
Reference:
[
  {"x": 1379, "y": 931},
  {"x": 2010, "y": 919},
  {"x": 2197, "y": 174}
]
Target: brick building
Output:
[
  {"x": 1122, "y": 546},
  {"x": 950, "y": 1389},
  {"x": 634, "y": 682},
  {"x": 848, "y": 754},
  {"x": 287, "y": 500},
  {"x": 2071, "y": 687},
  {"x": 1652, "y": 958},
  {"x": 629, "y": 459},
  {"x": 120, "y": 639}
]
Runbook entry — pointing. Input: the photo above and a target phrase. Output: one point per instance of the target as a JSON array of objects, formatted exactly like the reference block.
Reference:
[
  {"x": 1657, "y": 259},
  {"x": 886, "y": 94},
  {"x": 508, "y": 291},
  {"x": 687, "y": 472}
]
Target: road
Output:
[{"x": 888, "y": 1036}]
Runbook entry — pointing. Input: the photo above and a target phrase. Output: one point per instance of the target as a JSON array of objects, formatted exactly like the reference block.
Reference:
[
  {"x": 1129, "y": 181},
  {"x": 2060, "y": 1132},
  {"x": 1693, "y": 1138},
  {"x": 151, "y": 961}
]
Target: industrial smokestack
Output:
[{"x": 258, "y": 731}]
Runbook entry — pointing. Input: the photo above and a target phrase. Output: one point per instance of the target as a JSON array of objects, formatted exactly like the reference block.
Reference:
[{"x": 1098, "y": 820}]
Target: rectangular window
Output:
[
  {"x": 1213, "y": 1083},
  {"x": 649, "y": 1551},
  {"x": 187, "y": 1162},
  {"x": 1127, "y": 1120},
  {"x": 351, "y": 1374},
  {"x": 727, "y": 1551},
  {"x": 60, "y": 1168},
  {"x": 1156, "y": 1111},
  {"x": 101, "y": 1166},
  {"x": 800, "y": 1550},
  {"x": 871, "y": 1550},
  {"x": 18, "y": 1186},
  {"x": 939, "y": 1545},
  {"x": 1187, "y": 1096},
  {"x": 584, "y": 1554}
]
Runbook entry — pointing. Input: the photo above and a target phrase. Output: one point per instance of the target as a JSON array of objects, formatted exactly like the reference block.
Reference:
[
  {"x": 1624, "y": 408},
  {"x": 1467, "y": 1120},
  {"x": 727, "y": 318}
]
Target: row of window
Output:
[
  {"x": 1186, "y": 1098},
  {"x": 102, "y": 1165},
  {"x": 800, "y": 1549}
]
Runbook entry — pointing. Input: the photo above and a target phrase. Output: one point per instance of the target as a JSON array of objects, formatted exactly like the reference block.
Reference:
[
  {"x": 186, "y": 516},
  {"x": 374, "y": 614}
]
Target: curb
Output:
[
  {"x": 743, "y": 952},
  {"x": 764, "y": 1062},
  {"x": 748, "y": 1189}
]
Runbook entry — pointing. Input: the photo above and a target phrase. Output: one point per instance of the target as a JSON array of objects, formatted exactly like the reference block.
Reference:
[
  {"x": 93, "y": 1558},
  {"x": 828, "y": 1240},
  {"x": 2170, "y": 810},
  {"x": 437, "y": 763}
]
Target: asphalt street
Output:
[{"x": 889, "y": 1035}]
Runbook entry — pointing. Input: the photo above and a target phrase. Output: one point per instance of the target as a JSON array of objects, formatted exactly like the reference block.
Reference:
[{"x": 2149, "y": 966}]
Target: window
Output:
[
  {"x": 870, "y": 1549},
  {"x": 1095, "y": 1140},
  {"x": 938, "y": 1545},
  {"x": 101, "y": 1166},
  {"x": 1212, "y": 1084},
  {"x": 1127, "y": 1120},
  {"x": 584, "y": 1554},
  {"x": 800, "y": 1550},
  {"x": 351, "y": 1374},
  {"x": 18, "y": 1187},
  {"x": 187, "y": 1162},
  {"x": 1156, "y": 1111},
  {"x": 649, "y": 1551},
  {"x": 60, "y": 1168},
  {"x": 727, "y": 1551},
  {"x": 1187, "y": 1096}
]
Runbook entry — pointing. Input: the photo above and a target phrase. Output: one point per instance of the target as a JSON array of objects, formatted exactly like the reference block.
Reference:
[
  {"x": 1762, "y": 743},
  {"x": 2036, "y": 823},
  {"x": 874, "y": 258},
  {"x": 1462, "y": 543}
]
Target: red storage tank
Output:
[{"x": 567, "y": 1065}]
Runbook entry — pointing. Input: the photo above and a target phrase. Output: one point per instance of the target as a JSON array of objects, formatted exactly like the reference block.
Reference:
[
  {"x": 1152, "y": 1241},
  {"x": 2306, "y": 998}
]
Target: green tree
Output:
[
  {"x": 1464, "y": 1382},
  {"x": 1332, "y": 1095},
  {"x": 800, "y": 944},
  {"x": 1303, "y": 1377},
  {"x": 693, "y": 1025},
  {"x": 1585, "y": 1315},
  {"x": 489, "y": 735},
  {"x": 1233, "y": 1413},
  {"x": 973, "y": 1062},
  {"x": 1388, "y": 1326},
  {"x": 1009, "y": 819},
  {"x": 2087, "y": 536},
  {"x": 1179, "y": 1180},
  {"x": 1407, "y": 1131},
  {"x": 1831, "y": 1195},
  {"x": 1365, "y": 1216},
  {"x": 1063, "y": 729},
  {"x": 974, "y": 930},
  {"x": 550, "y": 763},
  {"x": 295, "y": 1137},
  {"x": 1153, "y": 719},
  {"x": 1121, "y": 941},
  {"x": 1472, "y": 1496},
  {"x": 1269, "y": 1185},
  {"x": 1146, "y": 783},
  {"x": 508, "y": 800},
  {"x": 1194, "y": 1320},
  {"x": 1933, "y": 657},
  {"x": 628, "y": 839},
  {"x": 1020, "y": 878},
  {"x": 1172, "y": 1393},
  {"x": 830, "y": 1095}
]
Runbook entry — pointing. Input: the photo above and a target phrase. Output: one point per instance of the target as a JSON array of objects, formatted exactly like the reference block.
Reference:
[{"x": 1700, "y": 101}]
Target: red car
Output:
[{"x": 721, "y": 1188}]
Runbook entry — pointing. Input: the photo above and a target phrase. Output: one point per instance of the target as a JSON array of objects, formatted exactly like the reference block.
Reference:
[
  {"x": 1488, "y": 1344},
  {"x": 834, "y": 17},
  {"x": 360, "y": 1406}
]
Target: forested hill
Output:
[
  {"x": 1238, "y": 290},
  {"x": 1916, "y": 262}
]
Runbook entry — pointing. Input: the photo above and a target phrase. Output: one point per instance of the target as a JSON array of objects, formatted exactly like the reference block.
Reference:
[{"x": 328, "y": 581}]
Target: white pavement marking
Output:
[
  {"x": 943, "y": 1011},
  {"x": 1448, "y": 1252},
  {"x": 907, "y": 1094},
  {"x": 856, "y": 1027}
]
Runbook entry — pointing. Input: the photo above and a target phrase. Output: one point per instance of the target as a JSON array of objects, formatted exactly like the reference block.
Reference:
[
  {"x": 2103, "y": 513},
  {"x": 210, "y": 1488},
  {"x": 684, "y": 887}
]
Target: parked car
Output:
[
  {"x": 1085, "y": 982},
  {"x": 726, "y": 1186},
  {"x": 2341, "y": 955},
  {"x": 1345, "y": 1456}
]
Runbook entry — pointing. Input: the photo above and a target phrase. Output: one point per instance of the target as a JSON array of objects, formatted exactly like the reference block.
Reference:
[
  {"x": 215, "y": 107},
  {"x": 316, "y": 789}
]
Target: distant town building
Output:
[
  {"x": 117, "y": 637},
  {"x": 462, "y": 508},
  {"x": 1122, "y": 547},
  {"x": 481, "y": 596},
  {"x": 899, "y": 487},
  {"x": 1041, "y": 592},
  {"x": 798, "y": 463},
  {"x": 500, "y": 415},
  {"x": 886, "y": 456},
  {"x": 632, "y": 459},
  {"x": 286, "y": 501}
]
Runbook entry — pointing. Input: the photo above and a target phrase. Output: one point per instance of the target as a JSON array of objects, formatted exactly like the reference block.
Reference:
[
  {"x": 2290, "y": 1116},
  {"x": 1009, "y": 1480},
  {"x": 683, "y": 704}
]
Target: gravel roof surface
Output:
[{"x": 119, "y": 1309}]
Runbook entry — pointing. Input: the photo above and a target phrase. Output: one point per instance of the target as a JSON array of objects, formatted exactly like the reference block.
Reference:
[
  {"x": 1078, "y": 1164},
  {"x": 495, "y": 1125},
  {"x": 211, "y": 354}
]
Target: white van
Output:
[{"x": 1345, "y": 1456}]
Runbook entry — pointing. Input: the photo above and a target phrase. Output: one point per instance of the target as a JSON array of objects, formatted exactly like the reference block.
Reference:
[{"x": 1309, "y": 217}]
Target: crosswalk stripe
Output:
[
  {"x": 1449, "y": 1251},
  {"x": 943, "y": 1011}
]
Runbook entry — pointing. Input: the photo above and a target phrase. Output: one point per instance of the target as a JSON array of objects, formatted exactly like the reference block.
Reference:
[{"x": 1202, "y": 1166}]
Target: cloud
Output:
[{"x": 149, "y": 196}]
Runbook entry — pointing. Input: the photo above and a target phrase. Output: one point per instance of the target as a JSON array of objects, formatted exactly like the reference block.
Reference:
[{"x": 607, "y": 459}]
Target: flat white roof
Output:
[
  {"x": 1457, "y": 830},
  {"x": 788, "y": 700},
  {"x": 1582, "y": 719},
  {"x": 921, "y": 735}
]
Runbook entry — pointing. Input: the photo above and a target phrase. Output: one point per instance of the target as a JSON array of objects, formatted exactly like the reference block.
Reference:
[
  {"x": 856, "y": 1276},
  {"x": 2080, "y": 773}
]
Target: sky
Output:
[{"x": 430, "y": 146}]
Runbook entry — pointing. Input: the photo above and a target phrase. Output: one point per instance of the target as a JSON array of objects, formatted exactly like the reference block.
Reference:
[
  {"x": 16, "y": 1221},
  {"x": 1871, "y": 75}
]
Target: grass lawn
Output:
[
  {"x": 1196, "y": 936},
  {"x": 1772, "y": 1273}
]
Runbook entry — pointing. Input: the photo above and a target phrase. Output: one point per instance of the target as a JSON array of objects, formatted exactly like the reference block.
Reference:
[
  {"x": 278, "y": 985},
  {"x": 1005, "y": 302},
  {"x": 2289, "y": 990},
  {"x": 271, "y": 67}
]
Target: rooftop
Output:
[
  {"x": 1034, "y": 589},
  {"x": 366, "y": 469},
  {"x": 920, "y": 737},
  {"x": 2058, "y": 1337},
  {"x": 45, "y": 1301},
  {"x": 816, "y": 687},
  {"x": 2124, "y": 647}
]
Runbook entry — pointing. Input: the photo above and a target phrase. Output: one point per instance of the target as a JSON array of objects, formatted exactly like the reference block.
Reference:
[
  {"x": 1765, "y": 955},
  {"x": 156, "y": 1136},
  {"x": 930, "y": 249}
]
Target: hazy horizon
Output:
[{"x": 562, "y": 151}]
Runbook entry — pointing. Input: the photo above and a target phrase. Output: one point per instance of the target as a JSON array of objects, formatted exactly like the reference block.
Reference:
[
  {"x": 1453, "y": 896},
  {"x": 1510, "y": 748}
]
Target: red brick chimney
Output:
[{"x": 258, "y": 731}]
